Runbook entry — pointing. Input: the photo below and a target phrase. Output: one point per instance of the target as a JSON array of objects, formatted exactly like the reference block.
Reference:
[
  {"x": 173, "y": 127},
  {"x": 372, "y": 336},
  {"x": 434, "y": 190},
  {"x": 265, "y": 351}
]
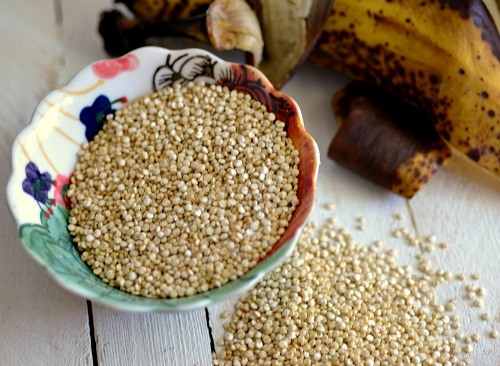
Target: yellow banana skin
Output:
[{"x": 441, "y": 56}]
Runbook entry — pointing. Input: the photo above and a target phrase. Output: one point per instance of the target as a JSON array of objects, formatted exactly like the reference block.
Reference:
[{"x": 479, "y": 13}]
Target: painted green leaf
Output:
[
  {"x": 60, "y": 255},
  {"x": 57, "y": 226}
]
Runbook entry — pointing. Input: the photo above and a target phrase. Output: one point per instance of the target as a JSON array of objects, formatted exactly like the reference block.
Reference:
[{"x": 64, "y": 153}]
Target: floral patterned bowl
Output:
[{"x": 44, "y": 156}]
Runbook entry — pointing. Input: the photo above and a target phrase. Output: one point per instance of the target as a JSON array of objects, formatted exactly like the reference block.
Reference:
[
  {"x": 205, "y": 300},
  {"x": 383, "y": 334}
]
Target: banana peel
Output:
[
  {"x": 290, "y": 30},
  {"x": 232, "y": 24},
  {"x": 277, "y": 36},
  {"x": 443, "y": 58},
  {"x": 385, "y": 140}
]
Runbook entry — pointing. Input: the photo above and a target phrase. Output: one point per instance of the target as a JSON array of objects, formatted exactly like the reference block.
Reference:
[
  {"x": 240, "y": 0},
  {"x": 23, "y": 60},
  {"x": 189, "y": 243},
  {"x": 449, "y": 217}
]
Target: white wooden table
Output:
[{"x": 43, "y": 43}]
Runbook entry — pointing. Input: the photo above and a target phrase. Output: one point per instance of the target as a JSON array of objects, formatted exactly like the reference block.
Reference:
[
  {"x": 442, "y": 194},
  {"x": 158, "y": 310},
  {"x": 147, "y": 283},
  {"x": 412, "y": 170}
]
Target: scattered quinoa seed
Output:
[
  {"x": 470, "y": 295},
  {"x": 451, "y": 307},
  {"x": 429, "y": 248},
  {"x": 399, "y": 216},
  {"x": 414, "y": 242},
  {"x": 470, "y": 288},
  {"x": 481, "y": 291},
  {"x": 397, "y": 233},
  {"x": 374, "y": 313},
  {"x": 443, "y": 245},
  {"x": 431, "y": 238},
  {"x": 361, "y": 220},
  {"x": 478, "y": 303},
  {"x": 485, "y": 316},
  {"x": 330, "y": 206}
]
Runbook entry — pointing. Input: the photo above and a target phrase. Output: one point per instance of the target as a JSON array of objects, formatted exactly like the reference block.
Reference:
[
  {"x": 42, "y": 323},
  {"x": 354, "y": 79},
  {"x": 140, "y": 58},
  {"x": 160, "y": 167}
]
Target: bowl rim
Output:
[{"x": 232, "y": 288}]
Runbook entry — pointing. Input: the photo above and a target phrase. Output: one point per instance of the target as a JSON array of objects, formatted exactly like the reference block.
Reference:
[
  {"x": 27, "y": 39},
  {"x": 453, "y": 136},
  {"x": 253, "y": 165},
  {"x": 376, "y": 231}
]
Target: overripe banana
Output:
[{"x": 440, "y": 56}]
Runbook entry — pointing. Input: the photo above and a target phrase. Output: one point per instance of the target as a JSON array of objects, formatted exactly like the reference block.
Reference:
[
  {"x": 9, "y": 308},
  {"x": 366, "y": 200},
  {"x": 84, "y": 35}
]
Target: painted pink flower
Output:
[
  {"x": 108, "y": 69},
  {"x": 61, "y": 184}
]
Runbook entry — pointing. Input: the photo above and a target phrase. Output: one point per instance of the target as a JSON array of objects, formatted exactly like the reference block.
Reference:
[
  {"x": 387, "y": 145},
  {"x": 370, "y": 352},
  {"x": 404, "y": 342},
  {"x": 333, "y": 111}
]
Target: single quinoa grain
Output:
[
  {"x": 399, "y": 216},
  {"x": 182, "y": 191},
  {"x": 485, "y": 316},
  {"x": 330, "y": 206}
]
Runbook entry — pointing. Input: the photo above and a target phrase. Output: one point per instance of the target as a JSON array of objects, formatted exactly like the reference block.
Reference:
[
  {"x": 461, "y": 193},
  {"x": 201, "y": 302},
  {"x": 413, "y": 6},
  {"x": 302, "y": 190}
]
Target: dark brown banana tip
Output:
[
  {"x": 122, "y": 35},
  {"x": 119, "y": 33},
  {"x": 161, "y": 10},
  {"x": 384, "y": 140}
]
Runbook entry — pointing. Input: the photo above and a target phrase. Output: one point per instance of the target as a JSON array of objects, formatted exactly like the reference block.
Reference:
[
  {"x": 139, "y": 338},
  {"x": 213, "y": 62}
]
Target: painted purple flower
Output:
[
  {"x": 93, "y": 117},
  {"x": 37, "y": 184}
]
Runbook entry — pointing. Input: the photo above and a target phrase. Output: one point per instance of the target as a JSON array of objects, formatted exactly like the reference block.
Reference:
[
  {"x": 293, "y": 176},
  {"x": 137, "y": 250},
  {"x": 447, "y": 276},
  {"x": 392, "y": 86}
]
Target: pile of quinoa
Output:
[
  {"x": 182, "y": 191},
  {"x": 335, "y": 302}
]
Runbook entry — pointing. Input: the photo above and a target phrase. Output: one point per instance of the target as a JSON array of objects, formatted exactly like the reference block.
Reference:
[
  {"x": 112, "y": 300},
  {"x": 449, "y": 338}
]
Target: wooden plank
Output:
[
  {"x": 41, "y": 324},
  {"x": 461, "y": 205},
  {"x": 125, "y": 338},
  {"x": 151, "y": 339},
  {"x": 82, "y": 43}
]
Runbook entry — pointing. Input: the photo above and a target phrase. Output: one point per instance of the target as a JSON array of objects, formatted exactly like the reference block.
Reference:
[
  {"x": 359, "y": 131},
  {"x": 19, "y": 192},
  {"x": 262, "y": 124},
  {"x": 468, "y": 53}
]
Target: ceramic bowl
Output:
[{"x": 44, "y": 156}]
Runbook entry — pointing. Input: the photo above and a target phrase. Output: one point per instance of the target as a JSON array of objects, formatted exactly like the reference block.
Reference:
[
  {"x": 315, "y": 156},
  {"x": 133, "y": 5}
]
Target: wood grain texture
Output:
[
  {"x": 78, "y": 35},
  {"x": 464, "y": 211},
  {"x": 41, "y": 324},
  {"x": 151, "y": 339}
]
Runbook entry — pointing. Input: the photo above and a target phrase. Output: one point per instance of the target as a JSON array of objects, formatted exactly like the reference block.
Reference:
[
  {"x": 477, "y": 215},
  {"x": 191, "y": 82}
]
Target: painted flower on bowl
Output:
[
  {"x": 61, "y": 184},
  {"x": 108, "y": 69},
  {"x": 93, "y": 117},
  {"x": 183, "y": 69},
  {"x": 37, "y": 184}
]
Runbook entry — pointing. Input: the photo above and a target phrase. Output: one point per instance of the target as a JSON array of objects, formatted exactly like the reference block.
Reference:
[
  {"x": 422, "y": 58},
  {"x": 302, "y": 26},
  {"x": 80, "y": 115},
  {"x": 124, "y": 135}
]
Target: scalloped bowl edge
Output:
[{"x": 281, "y": 250}]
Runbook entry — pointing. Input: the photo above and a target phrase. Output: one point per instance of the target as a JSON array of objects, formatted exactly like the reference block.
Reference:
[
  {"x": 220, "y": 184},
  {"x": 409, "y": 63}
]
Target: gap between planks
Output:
[
  {"x": 93, "y": 345},
  {"x": 414, "y": 225},
  {"x": 210, "y": 335}
]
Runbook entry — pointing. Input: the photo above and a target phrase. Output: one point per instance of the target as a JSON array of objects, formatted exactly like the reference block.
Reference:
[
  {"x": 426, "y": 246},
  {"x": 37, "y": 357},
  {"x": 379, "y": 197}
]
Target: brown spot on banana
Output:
[
  {"x": 444, "y": 60},
  {"x": 385, "y": 140}
]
